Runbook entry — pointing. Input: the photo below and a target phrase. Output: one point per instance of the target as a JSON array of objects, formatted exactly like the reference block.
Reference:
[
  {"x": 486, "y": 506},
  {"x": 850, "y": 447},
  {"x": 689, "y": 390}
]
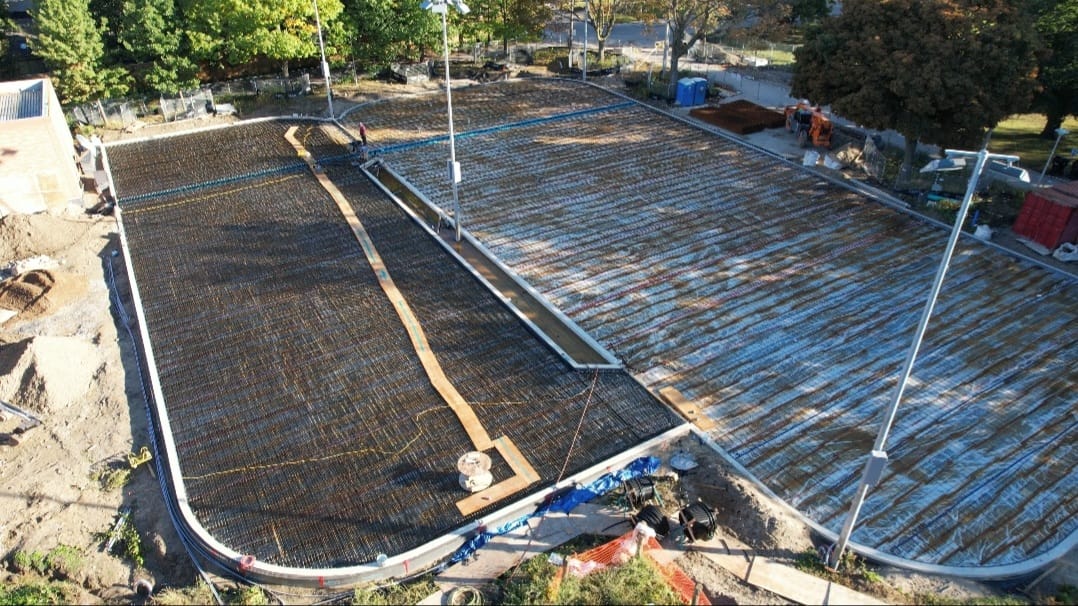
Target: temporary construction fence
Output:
[
  {"x": 639, "y": 542},
  {"x": 108, "y": 114},
  {"x": 183, "y": 105},
  {"x": 187, "y": 105},
  {"x": 277, "y": 86}
]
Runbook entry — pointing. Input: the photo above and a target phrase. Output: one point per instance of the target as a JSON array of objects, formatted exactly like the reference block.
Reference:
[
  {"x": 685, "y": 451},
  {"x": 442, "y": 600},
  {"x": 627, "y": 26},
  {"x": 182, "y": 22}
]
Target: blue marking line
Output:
[
  {"x": 421, "y": 343},
  {"x": 493, "y": 129},
  {"x": 126, "y": 201}
]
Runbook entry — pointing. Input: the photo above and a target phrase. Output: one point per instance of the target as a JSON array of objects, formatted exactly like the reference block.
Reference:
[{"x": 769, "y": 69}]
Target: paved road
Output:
[{"x": 622, "y": 34}]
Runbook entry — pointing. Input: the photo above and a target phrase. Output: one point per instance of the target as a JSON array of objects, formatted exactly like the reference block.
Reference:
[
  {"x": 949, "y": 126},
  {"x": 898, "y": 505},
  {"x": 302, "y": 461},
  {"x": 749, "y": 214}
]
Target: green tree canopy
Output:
[
  {"x": 108, "y": 14},
  {"x": 807, "y": 11},
  {"x": 70, "y": 43},
  {"x": 937, "y": 71},
  {"x": 502, "y": 20},
  {"x": 1058, "y": 75},
  {"x": 235, "y": 32},
  {"x": 692, "y": 20},
  {"x": 602, "y": 15},
  {"x": 5, "y": 27},
  {"x": 378, "y": 32},
  {"x": 149, "y": 35},
  {"x": 515, "y": 19}
]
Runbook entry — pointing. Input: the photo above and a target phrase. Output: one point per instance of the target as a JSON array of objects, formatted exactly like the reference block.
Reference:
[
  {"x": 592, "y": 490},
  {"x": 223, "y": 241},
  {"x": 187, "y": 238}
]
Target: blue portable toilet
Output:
[
  {"x": 685, "y": 92},
  {"x": 699, "y": 91},
  {"x": 691, "y": 91}
]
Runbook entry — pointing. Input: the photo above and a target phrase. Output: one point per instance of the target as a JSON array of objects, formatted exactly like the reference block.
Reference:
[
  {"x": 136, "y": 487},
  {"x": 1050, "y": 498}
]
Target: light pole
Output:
[
  {"x": 442, "y": 7},
  {"x": 1060, "y": 133},
  {"x": 877, "y": 458},
  {"x": 666, "y": 44},
  {"x": 584, "y": 63},
  {"x": 325, "y": 64}
]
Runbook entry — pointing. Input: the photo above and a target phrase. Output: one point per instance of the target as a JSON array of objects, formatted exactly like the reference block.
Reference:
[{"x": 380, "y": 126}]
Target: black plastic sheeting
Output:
[{"x": 307, "y": 432}]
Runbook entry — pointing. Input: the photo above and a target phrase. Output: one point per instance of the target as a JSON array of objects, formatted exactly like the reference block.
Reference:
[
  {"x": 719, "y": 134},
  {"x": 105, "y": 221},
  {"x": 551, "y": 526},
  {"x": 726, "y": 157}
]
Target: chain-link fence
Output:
[
  {"x": 108, "y": 114},
  {"x": 184, "y": 105},
  {"x": 275, "y": 86},
  {"x": 187, "y": 105}
]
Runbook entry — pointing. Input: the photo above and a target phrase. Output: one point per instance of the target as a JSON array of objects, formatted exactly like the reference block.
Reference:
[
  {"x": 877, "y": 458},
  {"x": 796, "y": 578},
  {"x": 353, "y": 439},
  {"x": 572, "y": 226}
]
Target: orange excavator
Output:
[{"x": 809, "y": 124}]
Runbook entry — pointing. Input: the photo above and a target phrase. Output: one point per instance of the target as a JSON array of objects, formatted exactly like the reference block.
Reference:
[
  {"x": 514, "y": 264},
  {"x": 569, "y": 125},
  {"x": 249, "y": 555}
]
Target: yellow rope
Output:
[
  {"x": 338, "y": 455},
  {"x": 304, "y": 461}
]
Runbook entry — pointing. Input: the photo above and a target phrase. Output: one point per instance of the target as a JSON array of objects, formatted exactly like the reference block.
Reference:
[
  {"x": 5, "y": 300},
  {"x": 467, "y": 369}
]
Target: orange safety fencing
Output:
[{"x": 621, "y": 550}]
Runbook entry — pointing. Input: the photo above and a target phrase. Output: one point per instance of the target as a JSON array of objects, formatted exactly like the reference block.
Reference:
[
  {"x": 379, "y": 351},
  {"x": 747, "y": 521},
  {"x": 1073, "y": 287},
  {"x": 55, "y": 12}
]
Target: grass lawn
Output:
[
  {"x": 1020, "y": 136},
  {"x": 774, "y": 56}
]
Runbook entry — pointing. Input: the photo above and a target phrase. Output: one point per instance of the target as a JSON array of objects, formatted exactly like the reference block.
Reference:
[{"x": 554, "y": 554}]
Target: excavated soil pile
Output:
[
  {"x": 742, "y": 117},
  {"x": 35, "y": 293},
  {"x": 47, "y": 374}
]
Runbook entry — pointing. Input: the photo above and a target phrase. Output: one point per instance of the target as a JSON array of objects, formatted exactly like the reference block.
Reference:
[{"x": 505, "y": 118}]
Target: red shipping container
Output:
[{"x": 1049, "y": 216}]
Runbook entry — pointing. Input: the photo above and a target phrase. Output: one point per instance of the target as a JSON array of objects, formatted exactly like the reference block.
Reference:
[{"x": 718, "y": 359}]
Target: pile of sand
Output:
[
  {"x": 43, "y": 374},
  {"x": 37, "y": 292},
  {"x": 23, "y": 236}
]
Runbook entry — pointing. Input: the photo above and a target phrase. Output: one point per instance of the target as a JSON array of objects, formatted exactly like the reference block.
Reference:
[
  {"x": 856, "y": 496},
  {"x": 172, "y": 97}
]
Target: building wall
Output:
[{"x": 37, "y": 162}]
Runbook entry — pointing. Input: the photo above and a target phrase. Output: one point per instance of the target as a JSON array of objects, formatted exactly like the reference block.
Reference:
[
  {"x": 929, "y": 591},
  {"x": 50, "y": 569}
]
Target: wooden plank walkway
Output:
[
  {"x": 687, "y": 408},
  {"x": 523, "y": 473}
]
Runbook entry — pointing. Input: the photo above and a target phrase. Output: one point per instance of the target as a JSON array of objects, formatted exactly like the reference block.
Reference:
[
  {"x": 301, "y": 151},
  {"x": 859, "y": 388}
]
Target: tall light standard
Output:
[
  {"x": 1060, "y": 133},
  {"x": 877, "y": 459},
  {"x": 442, "y": 7},
  {"x": 325, "y": 64},
  {"x": 584, "y": 71}
]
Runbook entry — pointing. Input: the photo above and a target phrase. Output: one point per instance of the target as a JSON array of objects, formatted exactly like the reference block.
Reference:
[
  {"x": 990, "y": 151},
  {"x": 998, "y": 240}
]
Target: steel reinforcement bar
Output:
[{"x": 502, "y": 127}]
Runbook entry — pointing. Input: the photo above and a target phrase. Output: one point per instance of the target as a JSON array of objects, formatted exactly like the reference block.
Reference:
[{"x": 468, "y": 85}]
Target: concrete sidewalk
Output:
[
  {"x": 541, "y": 535},
  {"x": 765, "y": 573},
  {"x": 538, "y": 536}
]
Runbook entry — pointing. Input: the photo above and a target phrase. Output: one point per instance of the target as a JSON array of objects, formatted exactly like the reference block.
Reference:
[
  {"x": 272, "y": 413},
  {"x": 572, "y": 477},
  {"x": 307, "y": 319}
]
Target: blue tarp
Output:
[{"x": 563, "y": 504}]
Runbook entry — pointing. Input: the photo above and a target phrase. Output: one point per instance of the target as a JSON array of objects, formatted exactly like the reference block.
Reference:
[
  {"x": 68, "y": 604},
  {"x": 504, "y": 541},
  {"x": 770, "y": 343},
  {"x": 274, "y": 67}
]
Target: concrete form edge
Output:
[
  {"x": 400, "y": 565},
  {"x": 850, "y": 184},
  {"x": 612, "y": 362},
  {"x": 980, "y": 573}
]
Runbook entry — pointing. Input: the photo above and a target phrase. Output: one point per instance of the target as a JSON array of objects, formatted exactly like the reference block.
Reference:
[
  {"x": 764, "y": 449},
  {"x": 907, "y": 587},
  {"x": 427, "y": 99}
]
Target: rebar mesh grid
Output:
[
  {"x": 306, "y": 431},
  {"x": 785, "y": 303}
]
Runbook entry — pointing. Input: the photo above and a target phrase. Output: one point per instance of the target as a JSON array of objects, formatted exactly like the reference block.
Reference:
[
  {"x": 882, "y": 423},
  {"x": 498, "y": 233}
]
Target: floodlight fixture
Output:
[{"x": 944, "y": 164}]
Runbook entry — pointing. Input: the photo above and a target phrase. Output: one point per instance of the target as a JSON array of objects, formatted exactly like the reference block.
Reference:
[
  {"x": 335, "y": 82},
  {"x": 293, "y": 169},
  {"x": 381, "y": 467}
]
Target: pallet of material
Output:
[{"x": 742, "y": 117}]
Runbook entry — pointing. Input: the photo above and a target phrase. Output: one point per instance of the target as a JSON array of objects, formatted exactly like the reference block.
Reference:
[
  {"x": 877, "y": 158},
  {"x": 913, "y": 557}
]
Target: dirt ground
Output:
[
  {"x": 71, "y": 364},
  {"x": 745, "y": 514}
]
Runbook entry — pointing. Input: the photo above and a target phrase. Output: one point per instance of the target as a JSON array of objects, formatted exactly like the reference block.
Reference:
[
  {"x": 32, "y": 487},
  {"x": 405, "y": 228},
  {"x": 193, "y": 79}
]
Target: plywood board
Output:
[{"x": 686, "y": 408}]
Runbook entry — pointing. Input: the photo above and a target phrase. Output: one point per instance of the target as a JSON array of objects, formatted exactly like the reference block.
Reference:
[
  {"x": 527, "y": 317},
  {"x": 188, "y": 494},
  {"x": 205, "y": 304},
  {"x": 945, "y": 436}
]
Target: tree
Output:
[
  {"x": 602, "y": 14},
  {"x": 149, "y": 34},
  {"x": 938, "y": 71},
  {"x": 808, "y": 11},
  {"x": 237, "y": 31},
  {"x": 6, "y": 26},
  {"x": 108, "y": 14},
  {"x": 70, "y": 43},
  {"x": 692, "y": 20},
  {"x": 378, "y": 32},
  {"x": 1058, "y": 73},
  {"x": 520, "y": 20}
]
